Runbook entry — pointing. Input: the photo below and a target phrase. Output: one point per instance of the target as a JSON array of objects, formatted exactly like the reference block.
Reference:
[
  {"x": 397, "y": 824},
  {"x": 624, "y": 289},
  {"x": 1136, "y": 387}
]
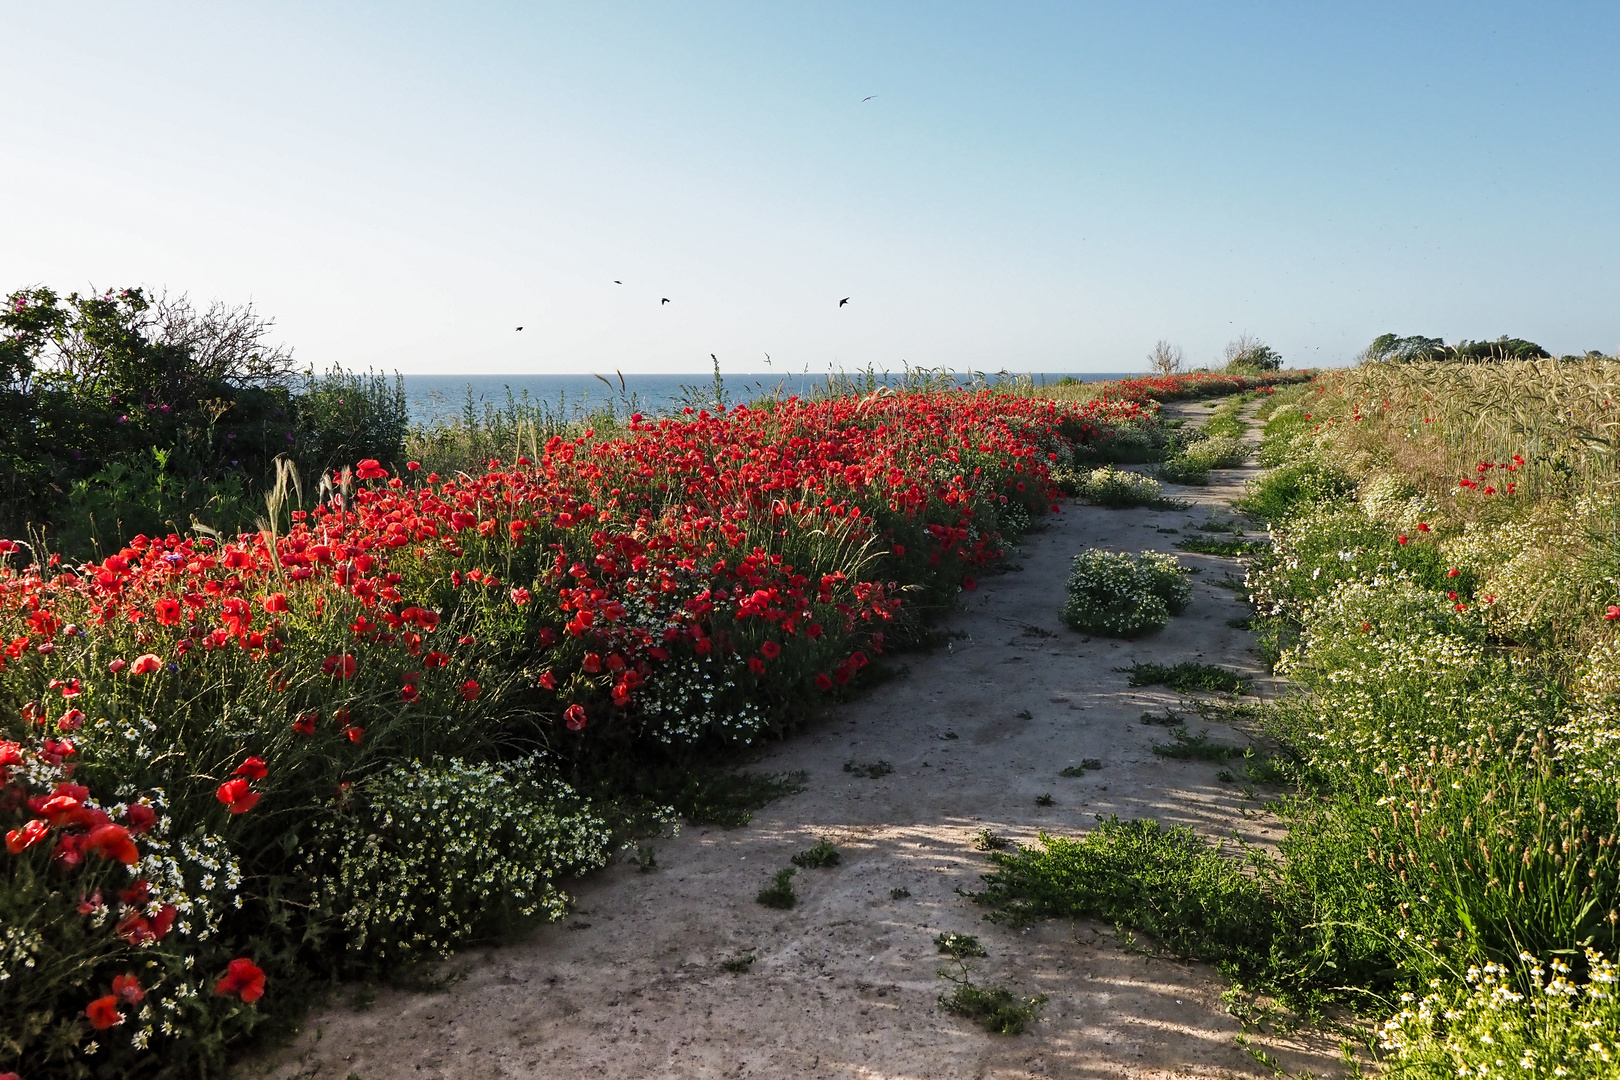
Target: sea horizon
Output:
[{"x": 435, "y": 398}]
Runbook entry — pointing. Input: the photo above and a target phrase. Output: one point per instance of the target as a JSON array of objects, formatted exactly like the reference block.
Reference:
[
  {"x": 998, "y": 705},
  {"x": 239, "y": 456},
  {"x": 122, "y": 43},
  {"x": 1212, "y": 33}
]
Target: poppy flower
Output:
[
  {"x": 275, "y": 603},
  {"x": 1402, "y": 540},
  {"x": 574, "y": 717},
  {"x": 771, "y": 650},
  {"x": 1613, "y": 613},
  {"x": 593, "y": 663},
  {"x": 244, "y": 978},
  {"x": 103, "y": 1013},
  {"x": 72, "y": 720},
  {"x": 146, "y": 664},
  {"x": 20, "y": 840},
  {"x": 969, "y": 584},
  {"x": 470, "y": 689},
  {"x": 340, "y": 666},
  {"x": 236, "y": 796},
  {"x": 823, "y": 682},
  {"x": 127, "y": 988},
  {"x": 117, "y": 665},
  {"x": 113, "y": 842},
  {"x": 253, "y": 768},
  {"x": 354, "y": 734},
  {"x": 1453, "y": 572},
  {"x": 304, "y": 724},
  {"x": 756, "y": 665},
  {"x": 435, "y": 659},
  {"x": 140, "y": 816},
  {"x": 548, "y": 681}
]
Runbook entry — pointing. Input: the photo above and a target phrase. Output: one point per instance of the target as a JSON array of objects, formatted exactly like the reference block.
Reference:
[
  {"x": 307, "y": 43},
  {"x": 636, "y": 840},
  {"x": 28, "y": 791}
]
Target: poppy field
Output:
[{"x": 237, "y": 766}]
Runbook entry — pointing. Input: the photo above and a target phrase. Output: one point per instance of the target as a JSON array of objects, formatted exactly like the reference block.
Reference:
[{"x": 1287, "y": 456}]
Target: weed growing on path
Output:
[
  {"x": 1230, "y": 549},
  {"x": 779, "y": 893},
  {"x": 1044, "y": 800},
  {"x": 818, "y": 857},
  {"x": 729, "y": 799},
  {"x": 985, "y": 840},
  {"x": 1185, "y": 677},
  {"x": 874, "y": 769},
  {"x": 742, "y": 963},
  {"x": 1196, "y": 748},
  {"x": 993, "y": 1008},
  {"x": 900, "y": 893},
  {"x": 1081, "y": 769}
]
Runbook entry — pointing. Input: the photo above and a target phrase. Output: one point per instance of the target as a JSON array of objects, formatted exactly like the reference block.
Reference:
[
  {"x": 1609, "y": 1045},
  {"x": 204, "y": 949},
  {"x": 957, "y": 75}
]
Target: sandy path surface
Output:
[{"x": 844, "y": 984}]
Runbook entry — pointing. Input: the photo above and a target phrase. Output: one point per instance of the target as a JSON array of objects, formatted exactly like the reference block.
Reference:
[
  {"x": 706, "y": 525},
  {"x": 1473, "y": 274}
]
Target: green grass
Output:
[
  {"x": 1186, "y": 676},
  {"x": 729, "y": 799},
  {"x": 1081, "y": 769},
  {"x": 1228, "y": 548},
  {"x": 993, "y": 1008},
  {"x": 739, "y": 965},
  {"x": 870, "y": 770}
]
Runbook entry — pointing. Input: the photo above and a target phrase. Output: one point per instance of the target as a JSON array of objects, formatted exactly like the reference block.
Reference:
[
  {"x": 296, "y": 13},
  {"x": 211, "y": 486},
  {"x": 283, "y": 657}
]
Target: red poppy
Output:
[
  {"x": 253, "y": 768},
  {"x": 242, "y": 977},
  {"x": 20, "y": 840},
  {"x": 771, "y": 650},
  {"x": 237, "y": 797},
  {"x": 72, "y": 720},
  {"x": 141, "y": 817},
  {"x": 305, "y": 723},
  {"x": 145, "y": 664},
  {"x": 969, "y": 584},
  {"x": 113, "y": 842},
  {"x": 103, "y": 1013},
  {"x": 470, "y": 689},
  {"x": 340, "y": 666},
  {"x": 574, "y": 717},
  {"x": 354, "y": 734},
  {"x": 435, "y": 659},
  {"x": 593, "y": 663},
  {"x": 620, "y": 694},
  {"x": 1613, "y": 613},
  {"x": 548, "y": 681},
  {"x": 167, "y": 610},
  {"x": 822, "y": 682},
  {"x": 275, "y": 603},
  {"x": 127, "y": 988},
  {"x": 117, "y": 664},
  {"x": 1402, "y": 540},
  {"x": 756, "y": 665}
]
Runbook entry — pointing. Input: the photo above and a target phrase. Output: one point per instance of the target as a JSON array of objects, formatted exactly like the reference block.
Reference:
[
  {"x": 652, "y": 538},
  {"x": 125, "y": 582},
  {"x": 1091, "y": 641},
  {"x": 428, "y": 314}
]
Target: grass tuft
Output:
[
  {"x": 779, "y": 893},
  {"x": 1185, "y": 677}
]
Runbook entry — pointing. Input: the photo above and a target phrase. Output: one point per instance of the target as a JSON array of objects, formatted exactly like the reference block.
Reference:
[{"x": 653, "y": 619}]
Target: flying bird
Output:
[
  {"x": 664, "y": 301},
  {"x": 520, "y": 328},
  {"x": 617, "y": 282},
  {"x": 841, "y": 303},
  {"x": 868, "y": 97}
]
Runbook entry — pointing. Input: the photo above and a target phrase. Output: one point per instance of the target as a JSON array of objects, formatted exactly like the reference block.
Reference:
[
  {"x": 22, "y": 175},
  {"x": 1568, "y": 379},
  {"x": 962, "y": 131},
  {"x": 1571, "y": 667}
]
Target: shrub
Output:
[
  {"x": 1122, "y": 595},
  {"x": 1288, "y": 489},
  {"x": 1193, "y": 465},
  {"x": 779, "y": 893},
  {"x": 1109, "y": 486}
]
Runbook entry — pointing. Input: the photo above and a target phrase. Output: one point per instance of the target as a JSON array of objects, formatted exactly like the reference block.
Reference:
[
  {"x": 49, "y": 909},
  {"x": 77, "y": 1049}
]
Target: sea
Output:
[{"x": 434, "y": 399}]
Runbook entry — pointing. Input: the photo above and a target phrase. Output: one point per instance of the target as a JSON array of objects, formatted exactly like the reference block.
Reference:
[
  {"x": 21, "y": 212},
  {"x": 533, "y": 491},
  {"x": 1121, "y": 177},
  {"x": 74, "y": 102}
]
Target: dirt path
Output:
[{"x": 844, "y": 984}]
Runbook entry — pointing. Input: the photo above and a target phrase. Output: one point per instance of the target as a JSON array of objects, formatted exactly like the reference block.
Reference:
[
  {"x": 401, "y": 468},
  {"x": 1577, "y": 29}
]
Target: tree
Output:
[
  {"x": 1249, "y": 354},
  {"x": 1165, "y": 358}
]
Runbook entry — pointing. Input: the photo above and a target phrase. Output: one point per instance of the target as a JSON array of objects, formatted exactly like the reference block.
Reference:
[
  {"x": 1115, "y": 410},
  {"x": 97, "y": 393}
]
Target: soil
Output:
[{"x": 844, "y": 984}]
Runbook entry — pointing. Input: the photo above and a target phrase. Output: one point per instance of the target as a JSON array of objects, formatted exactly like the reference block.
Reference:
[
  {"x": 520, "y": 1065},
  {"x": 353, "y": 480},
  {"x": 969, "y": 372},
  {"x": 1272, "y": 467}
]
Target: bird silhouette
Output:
[
  {"x": 868, "y": 97},
  {"x": 841, "y": 303},
  {"x": 520, "y": 328},
  {"x": 617, "y": 282},
  {"x": 664, "y": 301}
]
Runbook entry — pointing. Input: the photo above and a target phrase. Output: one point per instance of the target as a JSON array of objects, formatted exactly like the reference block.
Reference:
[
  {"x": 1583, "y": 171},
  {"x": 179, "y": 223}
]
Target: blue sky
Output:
[{"x": 1032, "y": 187}]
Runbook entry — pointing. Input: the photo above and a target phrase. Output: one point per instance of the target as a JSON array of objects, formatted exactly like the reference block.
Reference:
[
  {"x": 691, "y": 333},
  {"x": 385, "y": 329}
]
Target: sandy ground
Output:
[{"x": 844, "y": 984}]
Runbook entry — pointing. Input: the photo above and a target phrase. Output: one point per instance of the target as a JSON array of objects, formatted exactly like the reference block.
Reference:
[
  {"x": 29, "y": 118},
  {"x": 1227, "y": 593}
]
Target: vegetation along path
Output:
[{"x": 680, "y": 971}]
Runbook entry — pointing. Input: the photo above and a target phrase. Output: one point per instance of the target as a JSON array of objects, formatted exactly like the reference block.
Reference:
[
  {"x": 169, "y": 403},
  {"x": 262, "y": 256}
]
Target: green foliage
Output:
[
  {"x": 1195, "y": 462},
  {"x": 959, "y": 946},
  {"x": 1073, "y": 771},
  {"x": 1392, "y": 348},
  {"x": 1123, "y": 595},
  {"x": 779, "y": 893},
  {"x": 1186, "y": 747},
  {"x": 985, "y": 840},
  {"x": 1230, "y": 549},
  {"x": 1170, "y": 883},
  {"x": 821, "y": 856},
  {"x": 1291, "y": 488},
  {"x": 993, "y": 1008},
  {"x": 870, "y": 770},
  {"x": 121, "y": 414}
]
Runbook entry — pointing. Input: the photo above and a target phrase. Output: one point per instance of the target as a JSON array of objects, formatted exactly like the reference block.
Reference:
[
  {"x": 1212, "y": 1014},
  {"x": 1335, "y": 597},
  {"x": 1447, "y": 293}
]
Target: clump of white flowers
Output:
[
  {"x": 1120, "y": 594},
  {"x": 430, "y": 856}
]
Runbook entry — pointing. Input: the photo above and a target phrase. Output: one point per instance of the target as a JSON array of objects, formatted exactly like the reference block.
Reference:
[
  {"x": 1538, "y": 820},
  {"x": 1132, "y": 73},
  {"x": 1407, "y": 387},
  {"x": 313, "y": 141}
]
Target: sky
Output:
[{"x": 1032, "y": 187}]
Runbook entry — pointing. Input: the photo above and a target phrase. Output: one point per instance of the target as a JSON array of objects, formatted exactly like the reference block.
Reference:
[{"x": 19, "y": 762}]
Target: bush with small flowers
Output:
[{"x": 1122, "y": 595}]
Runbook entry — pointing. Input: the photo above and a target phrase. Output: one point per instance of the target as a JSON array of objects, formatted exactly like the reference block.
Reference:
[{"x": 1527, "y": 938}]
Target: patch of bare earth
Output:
[{"x": 844, "y": 984}]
